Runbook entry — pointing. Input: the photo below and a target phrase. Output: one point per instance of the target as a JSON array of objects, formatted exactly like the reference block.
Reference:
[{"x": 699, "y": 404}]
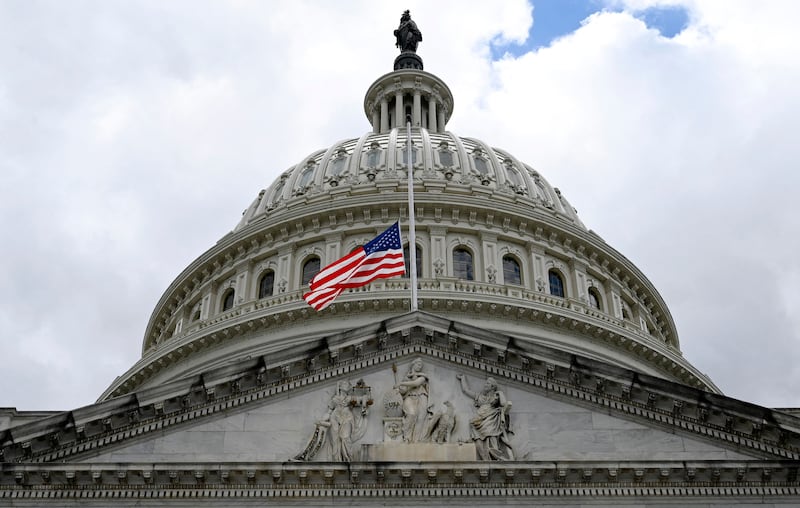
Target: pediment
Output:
[
  {"x": 286, "y": 426},
  {"x": 267, "y": 409}
]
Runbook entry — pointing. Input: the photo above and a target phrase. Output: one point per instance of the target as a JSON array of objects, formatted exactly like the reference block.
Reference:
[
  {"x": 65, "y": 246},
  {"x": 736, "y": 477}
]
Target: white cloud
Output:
[{"x": 680, "y": 153}]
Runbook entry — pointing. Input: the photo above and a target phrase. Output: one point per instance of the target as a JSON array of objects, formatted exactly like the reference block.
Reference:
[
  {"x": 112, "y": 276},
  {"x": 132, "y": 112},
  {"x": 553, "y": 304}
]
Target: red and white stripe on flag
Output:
[{"x": 380, "y": 258}]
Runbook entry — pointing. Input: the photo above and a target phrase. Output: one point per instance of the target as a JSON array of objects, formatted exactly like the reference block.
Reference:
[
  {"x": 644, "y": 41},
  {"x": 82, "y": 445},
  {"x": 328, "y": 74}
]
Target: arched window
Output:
[
  {"x": 277, "y": 194},
  {"x": 310, "y": 269},
  {"x": 480, "y": 165},
  {"x": 337, "y": 166},
  {"x": 374, "y": 155},
  {"x": 305, "y": 176},
  {"x": 594, "y": 299},
  {"x": 512, "y": 273},
  {"x": 462, "y": 264},
  {"x": 514, "y": 175},
  {"x": 266, "y": 284},
  {"x": 407, "y": 259},
  {"x": 446, "y": 157},
  {"x": 556, "y": 284},
  {"x": 227, "y": 300},
  {"x": 413, "y": 154}
]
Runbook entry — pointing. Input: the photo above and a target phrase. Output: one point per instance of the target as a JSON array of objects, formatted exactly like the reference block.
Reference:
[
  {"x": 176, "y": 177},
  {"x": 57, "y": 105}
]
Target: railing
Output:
[{"x": 445, "y": 288}]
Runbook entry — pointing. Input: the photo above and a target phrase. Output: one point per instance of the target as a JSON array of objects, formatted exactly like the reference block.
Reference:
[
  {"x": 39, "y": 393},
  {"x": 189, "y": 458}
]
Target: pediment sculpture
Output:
[{"x": 415, "y": 424}]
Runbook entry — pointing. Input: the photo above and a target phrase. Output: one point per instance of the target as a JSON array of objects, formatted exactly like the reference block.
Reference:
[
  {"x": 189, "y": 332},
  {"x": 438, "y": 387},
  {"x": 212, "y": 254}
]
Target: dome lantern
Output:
[{"x": 408, "y": 93}]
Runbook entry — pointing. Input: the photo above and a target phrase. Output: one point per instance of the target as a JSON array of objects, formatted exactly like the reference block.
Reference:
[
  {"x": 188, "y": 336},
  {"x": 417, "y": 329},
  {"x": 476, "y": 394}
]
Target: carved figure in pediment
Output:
[
  {"x": 344, "y": 423},
  {"x": 414, "y": 389},
  {"x": 490, "y": 428},
  {"x": 440, "y": 424}
]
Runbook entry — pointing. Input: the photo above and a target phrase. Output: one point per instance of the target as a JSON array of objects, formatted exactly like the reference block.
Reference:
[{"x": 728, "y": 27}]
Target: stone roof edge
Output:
[
  {"x": 719, "y": 478},
  {"x": 728, "y": 422}
]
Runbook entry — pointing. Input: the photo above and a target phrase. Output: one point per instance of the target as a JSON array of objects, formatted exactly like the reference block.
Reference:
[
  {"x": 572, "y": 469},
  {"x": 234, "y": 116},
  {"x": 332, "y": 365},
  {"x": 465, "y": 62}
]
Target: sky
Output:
[{"x": 133, "y": 134}]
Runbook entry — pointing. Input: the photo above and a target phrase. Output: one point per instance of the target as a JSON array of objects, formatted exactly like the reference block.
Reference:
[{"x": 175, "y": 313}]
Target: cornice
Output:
[
  {"x": 131, "y": 481},
  {"x": 653, "y": 401},
  {"x": 436, "y": 296}
]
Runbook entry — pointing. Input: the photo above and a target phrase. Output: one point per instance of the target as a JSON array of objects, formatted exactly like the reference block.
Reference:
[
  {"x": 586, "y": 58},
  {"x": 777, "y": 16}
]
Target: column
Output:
[
  {"x": 538, "y": 278},
  {"x": 399, "y": 114},
  {"x": 417, "y": 112},
  {"x": 490, "y": 260},
  {"x": 432, "y": 115},
  {"x": 440, "y": 122},
  {"x": 384, "y": 115},
  {"x": 439, "y": 258},
  {"x": 284, "y": 272}
]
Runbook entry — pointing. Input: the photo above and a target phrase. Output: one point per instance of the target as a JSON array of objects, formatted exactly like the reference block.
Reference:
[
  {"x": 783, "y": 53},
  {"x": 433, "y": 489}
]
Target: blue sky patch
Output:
[
  {"x": 670, "y": 21},
  {"x": 556, "y": 18},
  {"x": 551, "y": 19}
]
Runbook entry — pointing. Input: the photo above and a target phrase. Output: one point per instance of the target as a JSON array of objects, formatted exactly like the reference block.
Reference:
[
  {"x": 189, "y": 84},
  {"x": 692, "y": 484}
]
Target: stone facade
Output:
[{"x": 580, "y": 428}]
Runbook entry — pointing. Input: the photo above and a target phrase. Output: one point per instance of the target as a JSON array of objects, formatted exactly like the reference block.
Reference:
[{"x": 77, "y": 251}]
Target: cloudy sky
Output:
[{"x": 133, "y": 134}]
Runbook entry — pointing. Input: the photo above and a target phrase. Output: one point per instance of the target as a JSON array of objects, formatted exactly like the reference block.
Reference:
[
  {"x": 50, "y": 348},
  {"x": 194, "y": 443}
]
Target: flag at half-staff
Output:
[{"x": 380, "y": 258}]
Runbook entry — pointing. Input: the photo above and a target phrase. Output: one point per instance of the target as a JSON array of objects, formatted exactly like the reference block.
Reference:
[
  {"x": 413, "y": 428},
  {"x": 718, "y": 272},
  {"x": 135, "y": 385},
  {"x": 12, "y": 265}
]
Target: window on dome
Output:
[
  {"x": 514, "y": 176},
  {"x": 512, "y": 272},
  {"x": 556, "y": 284},
  {"x": 310, "y": 269},
  {"x": 266, "y": 284},
  {"x": 594, "y": 299},
  {"x": 227, "y": 300},
  {"x": 337, "y": 166},
  {"x": 462, "y": 264},
  {"x": 373, "y": 157},
  {"x": 306, "y": 175},
  {"x": 276, "y": 195},
  {"x": 446, "y": 158},
  {"x": 407, "y": 259},
  {"x": 413, "y": 154},
  {"x": 480, "y": 165}
]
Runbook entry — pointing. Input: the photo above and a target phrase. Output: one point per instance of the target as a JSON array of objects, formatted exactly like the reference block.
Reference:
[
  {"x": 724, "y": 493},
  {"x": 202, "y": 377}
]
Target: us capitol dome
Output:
[
  {"x": 498, "y": 247},
  {"x": 535, "y": 365}
]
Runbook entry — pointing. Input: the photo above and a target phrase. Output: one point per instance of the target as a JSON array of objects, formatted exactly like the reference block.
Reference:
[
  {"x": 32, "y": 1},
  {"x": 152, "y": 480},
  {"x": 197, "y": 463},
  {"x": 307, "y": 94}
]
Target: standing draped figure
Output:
[
  {"x": 490, "y": 427},
  {"x": 414, "y": 389}
]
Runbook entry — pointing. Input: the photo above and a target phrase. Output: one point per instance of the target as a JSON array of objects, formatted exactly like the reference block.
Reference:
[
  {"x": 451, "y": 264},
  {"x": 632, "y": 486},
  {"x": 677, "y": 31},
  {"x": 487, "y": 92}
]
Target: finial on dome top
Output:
[
  {"x": 407, "y": 38},
  {"x": 407, "y": 34}
]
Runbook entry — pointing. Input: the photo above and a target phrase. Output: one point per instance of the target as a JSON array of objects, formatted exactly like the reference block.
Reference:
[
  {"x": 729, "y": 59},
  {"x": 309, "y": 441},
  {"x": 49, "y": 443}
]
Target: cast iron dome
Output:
[{"x": 469, "y": 197}]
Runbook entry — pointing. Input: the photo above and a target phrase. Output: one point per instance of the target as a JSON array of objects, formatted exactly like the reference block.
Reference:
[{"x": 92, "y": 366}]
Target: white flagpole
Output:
[{"x": 412, "y": 237}]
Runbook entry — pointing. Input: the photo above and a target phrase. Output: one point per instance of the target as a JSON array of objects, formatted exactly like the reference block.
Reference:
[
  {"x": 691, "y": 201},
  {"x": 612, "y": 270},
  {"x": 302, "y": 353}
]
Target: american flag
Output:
[{"x": 380, "y": 258}]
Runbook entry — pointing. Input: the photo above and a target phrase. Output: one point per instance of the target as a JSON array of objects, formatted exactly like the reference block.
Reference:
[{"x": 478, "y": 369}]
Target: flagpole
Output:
[{"x": 412, "y": 237}]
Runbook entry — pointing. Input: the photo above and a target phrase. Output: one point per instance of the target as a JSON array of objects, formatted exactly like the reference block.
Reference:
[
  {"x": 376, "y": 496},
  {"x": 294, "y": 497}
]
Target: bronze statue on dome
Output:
[{"x": 407, "y": 34}]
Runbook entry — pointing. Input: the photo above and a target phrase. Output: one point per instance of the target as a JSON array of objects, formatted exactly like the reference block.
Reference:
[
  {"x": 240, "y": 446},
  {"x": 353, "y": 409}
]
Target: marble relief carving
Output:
[
  {"x": 344, "y": 423},
  {"x": 490, "y": 427},
  {"x": 414, "y": 390},
  {"x": 412, "y": 420},
  {"x": 440, "y": 425}
]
